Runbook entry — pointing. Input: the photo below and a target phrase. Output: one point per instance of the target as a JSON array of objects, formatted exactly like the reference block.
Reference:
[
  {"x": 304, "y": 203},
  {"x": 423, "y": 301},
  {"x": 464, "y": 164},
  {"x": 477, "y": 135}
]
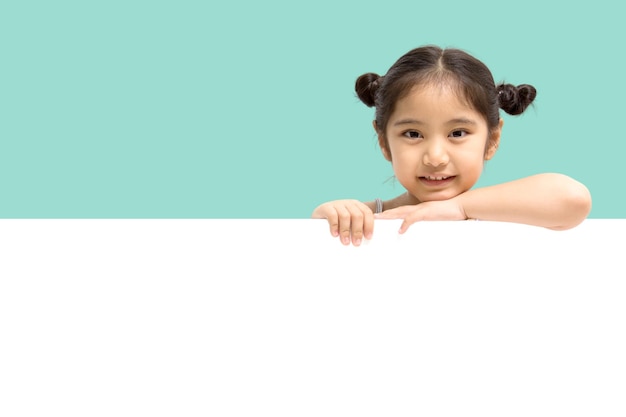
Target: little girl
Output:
[{"x": 437, "y": 121}]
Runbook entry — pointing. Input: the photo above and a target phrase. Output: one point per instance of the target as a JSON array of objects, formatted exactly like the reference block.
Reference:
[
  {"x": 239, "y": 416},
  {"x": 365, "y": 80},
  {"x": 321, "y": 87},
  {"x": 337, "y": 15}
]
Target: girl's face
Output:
[{"x": 437, "y": 144}]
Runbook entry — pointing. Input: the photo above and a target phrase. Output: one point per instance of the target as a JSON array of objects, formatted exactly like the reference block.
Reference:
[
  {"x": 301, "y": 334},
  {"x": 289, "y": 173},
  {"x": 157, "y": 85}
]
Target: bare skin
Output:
[
  {"x": 550, "y": 200},
  {"x": 437, "y": 147}
]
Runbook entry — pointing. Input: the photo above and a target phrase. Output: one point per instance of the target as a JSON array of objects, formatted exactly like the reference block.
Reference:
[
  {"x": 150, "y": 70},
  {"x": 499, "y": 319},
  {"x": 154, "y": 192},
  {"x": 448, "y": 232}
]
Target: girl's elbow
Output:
[
  {"x": 576, "y": 205},
  {"x": 580, "y": 200}
]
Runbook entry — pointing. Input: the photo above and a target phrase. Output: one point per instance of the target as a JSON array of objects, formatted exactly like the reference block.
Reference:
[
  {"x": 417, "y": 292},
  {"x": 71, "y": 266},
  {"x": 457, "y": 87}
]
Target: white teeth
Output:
[{"x": 436, "y": 178}]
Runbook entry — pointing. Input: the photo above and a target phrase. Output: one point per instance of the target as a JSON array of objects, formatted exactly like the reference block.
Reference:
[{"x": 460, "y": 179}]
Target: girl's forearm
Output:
[
  {"x": 404, "y": 199},
  {"x": 550, "y": 200}
]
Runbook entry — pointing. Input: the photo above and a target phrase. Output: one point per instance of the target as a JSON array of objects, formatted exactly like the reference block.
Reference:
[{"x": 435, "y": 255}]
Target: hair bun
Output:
[
  {"x": 366, "y": 86},
  {"x": 515, "y": 99}
]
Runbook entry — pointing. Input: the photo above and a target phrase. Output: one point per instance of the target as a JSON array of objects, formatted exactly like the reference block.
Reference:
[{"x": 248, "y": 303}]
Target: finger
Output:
[
  {"x": 368, "y": 225},
  {"x": 344, "y": 217},
  {"x": 409, "y": 220},
  {"x": 404, "y": 227},
  {"x": 356, "y": 224},
  {"x": 333, "y": 222}
]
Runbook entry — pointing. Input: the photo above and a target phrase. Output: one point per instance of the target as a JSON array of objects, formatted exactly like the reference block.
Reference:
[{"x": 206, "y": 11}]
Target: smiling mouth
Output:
[{"x": 437, "y": 179}]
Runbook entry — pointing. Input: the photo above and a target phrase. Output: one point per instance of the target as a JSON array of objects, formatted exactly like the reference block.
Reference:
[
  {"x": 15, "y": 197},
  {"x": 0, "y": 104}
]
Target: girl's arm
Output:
[
  {"x": 353, "y": 220},
  {"x": 554, "y": 201},
  {"x": 399, "y": 201}
]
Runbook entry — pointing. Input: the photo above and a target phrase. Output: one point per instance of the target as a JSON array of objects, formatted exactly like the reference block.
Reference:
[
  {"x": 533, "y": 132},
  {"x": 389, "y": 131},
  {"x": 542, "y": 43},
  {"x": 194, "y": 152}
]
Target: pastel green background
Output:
[{"x": 206, "y": 109}]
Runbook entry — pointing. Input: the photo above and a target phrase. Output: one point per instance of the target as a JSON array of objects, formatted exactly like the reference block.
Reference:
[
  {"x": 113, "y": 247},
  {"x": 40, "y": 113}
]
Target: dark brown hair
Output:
[{"x": 471, "y": 78}]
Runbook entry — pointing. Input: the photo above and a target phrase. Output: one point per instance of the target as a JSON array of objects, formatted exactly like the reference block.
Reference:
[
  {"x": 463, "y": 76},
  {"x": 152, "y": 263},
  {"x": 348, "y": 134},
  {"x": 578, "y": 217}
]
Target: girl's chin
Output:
[{"x": 435, "y": 196}]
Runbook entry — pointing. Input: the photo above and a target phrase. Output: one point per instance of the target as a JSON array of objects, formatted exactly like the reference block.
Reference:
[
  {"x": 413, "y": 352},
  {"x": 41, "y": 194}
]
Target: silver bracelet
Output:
[{"x": 379, "y": 205}]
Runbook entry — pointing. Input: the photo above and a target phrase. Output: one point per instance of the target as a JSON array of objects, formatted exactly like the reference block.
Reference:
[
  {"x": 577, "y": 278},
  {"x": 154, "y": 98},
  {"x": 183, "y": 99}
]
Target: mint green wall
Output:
[{"x": 181, "y": 109}]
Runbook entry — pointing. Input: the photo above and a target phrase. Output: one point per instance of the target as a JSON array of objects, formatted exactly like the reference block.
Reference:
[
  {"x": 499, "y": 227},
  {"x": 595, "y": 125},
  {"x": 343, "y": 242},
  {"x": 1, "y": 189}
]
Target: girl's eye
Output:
[
  {"x": 458, "y": 133},
  {"x": 412, "y": 134}
]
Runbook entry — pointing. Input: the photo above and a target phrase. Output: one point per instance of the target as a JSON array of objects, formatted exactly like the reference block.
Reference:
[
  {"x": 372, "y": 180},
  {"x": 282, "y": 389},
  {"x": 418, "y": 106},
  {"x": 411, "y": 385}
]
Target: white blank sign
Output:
[{"x": 244, "y": 317}]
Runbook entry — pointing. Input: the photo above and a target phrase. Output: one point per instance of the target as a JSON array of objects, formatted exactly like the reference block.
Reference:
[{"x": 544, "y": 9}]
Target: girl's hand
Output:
[
  {"x": 431, "y": 210},
  {"x": 351, "y": 220}
]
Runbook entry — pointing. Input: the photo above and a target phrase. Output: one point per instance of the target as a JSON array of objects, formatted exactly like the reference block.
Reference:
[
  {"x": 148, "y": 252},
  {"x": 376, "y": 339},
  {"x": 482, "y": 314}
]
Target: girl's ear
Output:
[
  {"x": 494, "y": 141},
  {"x": 382, "y": 142}
]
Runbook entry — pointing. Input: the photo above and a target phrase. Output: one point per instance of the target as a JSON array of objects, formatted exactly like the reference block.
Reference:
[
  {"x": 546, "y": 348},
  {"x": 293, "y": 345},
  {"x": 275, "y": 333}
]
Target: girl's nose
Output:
[{"x": 436, "y": 153}]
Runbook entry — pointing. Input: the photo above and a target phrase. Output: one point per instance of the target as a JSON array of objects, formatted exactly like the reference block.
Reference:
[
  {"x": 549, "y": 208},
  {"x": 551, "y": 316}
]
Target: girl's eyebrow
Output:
[
  {"x": 458, "y": 120},
  {"x": 462, "y": 120},
  {"x": 408, "y": 122}
]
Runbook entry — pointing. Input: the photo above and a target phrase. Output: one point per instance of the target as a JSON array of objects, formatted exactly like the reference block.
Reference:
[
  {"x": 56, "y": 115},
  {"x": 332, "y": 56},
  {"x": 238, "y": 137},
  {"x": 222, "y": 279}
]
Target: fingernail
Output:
[{"x": 357, "y": 242}]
